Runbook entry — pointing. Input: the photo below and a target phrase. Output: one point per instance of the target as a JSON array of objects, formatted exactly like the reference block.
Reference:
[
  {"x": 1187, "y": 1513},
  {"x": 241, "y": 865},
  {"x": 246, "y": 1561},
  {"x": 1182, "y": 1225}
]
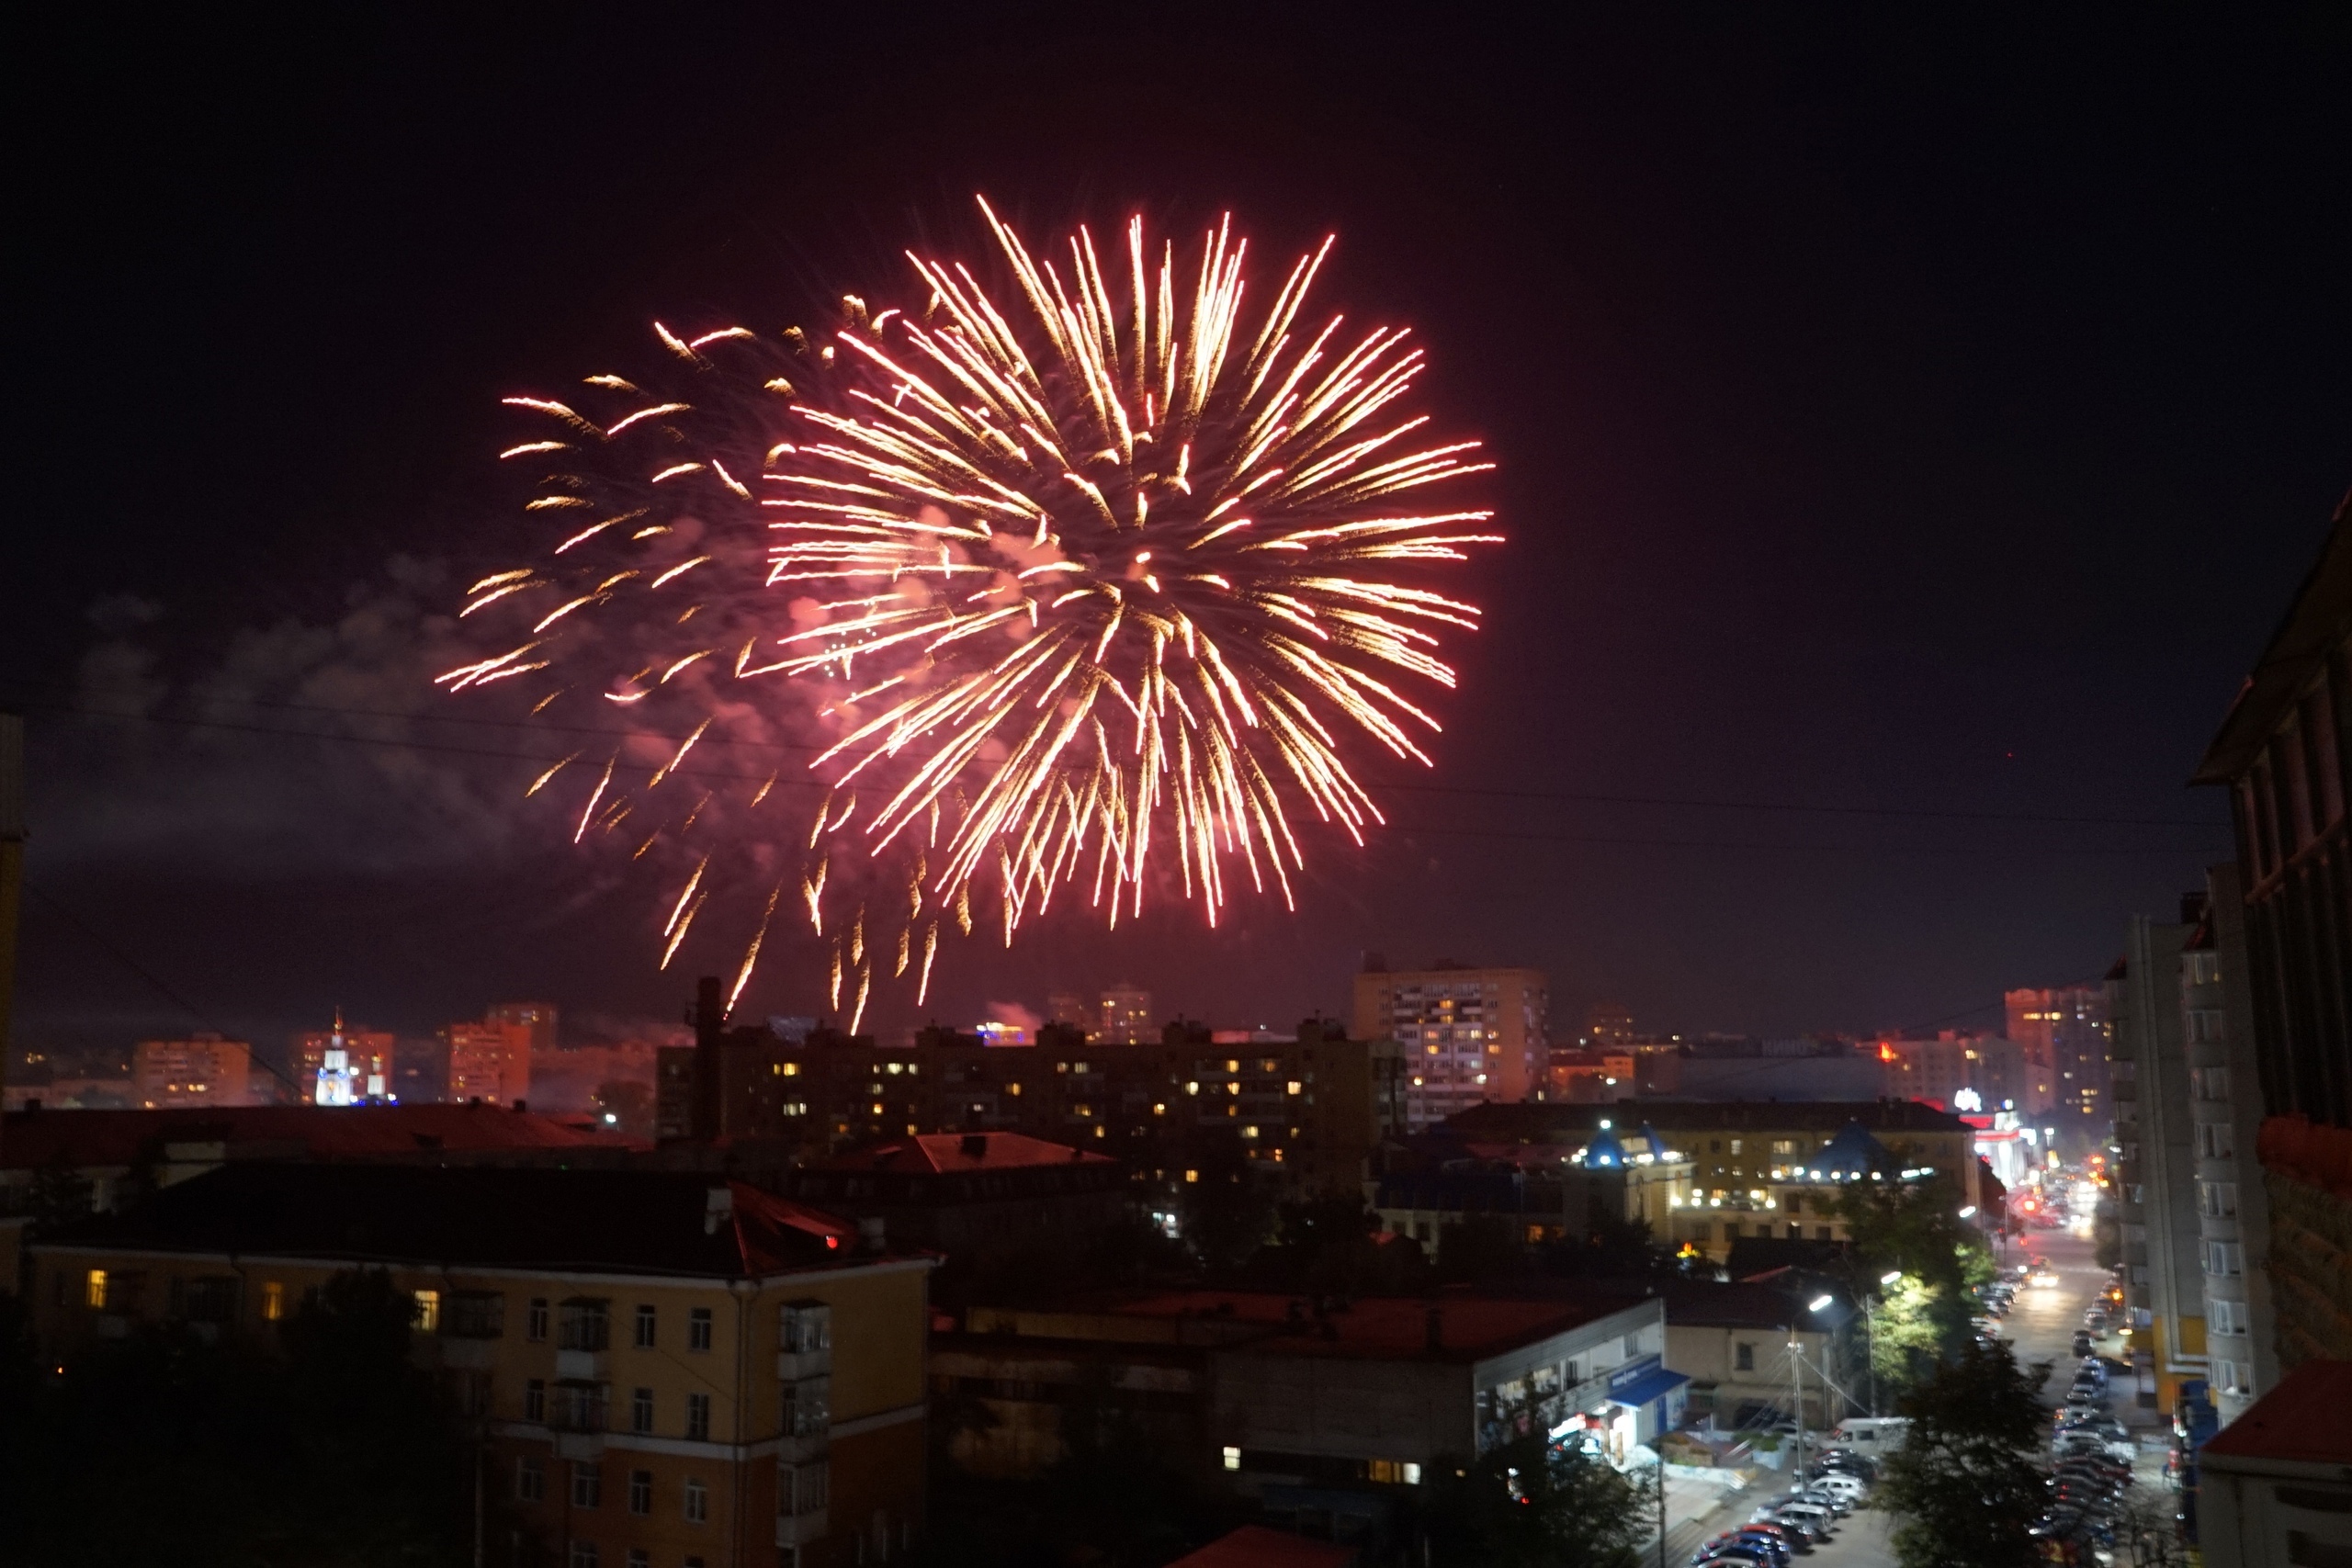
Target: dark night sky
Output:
[{"x": 1921, "y": 418}]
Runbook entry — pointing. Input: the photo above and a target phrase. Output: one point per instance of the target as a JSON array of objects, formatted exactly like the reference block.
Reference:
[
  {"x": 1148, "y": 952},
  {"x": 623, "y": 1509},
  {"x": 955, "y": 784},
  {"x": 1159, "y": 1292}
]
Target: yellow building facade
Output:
[{"x": 635, "y": 1412}]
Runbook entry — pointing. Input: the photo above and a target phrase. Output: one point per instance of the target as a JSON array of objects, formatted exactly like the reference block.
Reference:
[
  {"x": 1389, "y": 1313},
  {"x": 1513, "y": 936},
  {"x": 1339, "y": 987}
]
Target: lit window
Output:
[
  {"x": 428, "y": 1312},
  {"x": 1233, "y": 1458},
  {"x": 1191, "y": 1176},
  {"x": 1294, "y": 1086},
  {"x": 792, "y": 1069},
  {"x": 273, "y": 1301},
  {"x": 95, "y": 1289}
]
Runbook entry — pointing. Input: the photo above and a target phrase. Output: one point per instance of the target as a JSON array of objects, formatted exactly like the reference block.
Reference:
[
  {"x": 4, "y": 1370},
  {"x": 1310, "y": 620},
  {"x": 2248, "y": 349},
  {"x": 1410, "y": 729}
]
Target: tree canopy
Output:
[{"x": 1967, "y": 1484}]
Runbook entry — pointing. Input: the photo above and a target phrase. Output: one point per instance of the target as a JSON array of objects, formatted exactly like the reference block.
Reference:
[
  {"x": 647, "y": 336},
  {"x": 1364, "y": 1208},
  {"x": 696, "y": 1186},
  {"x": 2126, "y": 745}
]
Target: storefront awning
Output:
[{"x": 1640, "y": 1390}]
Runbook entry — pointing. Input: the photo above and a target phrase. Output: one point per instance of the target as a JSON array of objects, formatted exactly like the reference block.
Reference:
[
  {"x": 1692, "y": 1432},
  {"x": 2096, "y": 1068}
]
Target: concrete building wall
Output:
[{"x": 2165, "y": 1294}]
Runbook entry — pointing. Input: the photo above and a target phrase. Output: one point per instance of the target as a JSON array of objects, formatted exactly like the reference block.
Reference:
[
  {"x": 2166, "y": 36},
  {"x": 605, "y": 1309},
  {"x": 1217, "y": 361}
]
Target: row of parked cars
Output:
[
  {"x": 1793, "y": 1524},
  {"x": 2091, "y": 1464}
]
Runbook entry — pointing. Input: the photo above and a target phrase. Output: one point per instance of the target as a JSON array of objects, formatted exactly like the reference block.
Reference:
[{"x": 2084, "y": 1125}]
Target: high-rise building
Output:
[
  {"x": 1609, "y": 1023},
  {"x": 2164, "y": 1287},
  {"x": 2063, "y": 1030},
  {"x": 365, "y": 1071},
  {"x": 538, "y": 1018},
  {"x": 204, "y": 1070},
  {"x": 1946, "y": 1070},
  {"x": 1069, "y": 1010},
  {"x": 490, "y": 1061},
  {"x": 1125, "y": 1017},
  {"x": 2234, "y": 1220},
  {"x": 2284, "y": 924},
  {"x": 1470, "y": 1035}
]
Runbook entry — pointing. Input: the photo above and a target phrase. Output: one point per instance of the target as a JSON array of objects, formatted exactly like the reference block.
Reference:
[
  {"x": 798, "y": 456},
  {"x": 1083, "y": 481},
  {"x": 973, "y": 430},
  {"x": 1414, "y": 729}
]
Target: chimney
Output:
[
  {"x": 1436, "y": 1337},
  {"x": 711, "y": 1021},
  {"x": 974, "y": 1146}
]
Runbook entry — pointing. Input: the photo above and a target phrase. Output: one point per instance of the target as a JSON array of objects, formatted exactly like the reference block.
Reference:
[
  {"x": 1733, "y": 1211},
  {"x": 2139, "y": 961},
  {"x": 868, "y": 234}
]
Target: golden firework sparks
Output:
[{"x": 1076, "y": 579}]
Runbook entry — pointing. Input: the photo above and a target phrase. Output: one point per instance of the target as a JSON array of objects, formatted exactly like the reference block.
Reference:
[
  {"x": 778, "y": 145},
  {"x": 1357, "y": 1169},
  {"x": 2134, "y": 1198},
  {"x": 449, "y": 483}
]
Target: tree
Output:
[
  {"x": 1912, "y": 1228},
  {"x": 1523, "y": 1505},
  {"x": 1905, "y": 1336},
  {"x": 239, "y": 1452},
  {"x": 1967, "y": 1485}
]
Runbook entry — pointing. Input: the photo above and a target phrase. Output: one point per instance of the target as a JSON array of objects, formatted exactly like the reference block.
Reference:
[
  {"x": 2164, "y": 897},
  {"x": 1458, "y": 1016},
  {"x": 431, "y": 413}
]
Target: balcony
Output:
[
  {"x": 584, "y": 1366},
  {"x": 799, "y": 1529},
  {"x": 798, "y": 1366},
  {"x": 469, "y": 1355},
  {"x": 577, "y": 1414}
]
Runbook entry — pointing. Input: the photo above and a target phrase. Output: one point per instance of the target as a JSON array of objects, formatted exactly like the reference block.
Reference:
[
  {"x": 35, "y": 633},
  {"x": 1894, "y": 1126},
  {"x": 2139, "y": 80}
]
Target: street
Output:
[{"x": 2039, "y": 1327}]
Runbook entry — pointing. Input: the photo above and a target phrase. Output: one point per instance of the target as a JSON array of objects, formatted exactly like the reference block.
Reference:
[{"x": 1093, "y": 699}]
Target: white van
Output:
[{"x": 1869, "y": 1435}]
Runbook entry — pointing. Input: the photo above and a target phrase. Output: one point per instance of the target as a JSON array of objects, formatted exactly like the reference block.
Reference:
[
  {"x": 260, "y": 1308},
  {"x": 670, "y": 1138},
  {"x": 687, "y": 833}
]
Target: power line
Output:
[
  {"x": 166, "y": 992},
  {"x": 621, "y": 737}
]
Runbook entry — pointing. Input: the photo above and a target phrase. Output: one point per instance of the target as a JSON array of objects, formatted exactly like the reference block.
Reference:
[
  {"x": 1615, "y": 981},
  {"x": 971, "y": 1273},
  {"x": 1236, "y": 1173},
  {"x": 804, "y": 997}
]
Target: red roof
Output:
[
  {"x": 940, "y": 1154},
  {"x": 30, "y": 1139},
  {"x": 1255, "y": 1545},
  {"x": 2308, "y": 1418},
  {"x": 1385, "y": 1327}
]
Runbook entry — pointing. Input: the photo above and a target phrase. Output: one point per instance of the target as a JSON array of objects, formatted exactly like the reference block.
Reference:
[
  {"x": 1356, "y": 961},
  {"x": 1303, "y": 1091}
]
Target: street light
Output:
[
  {"x": 1969, "y": 1213},
  {"x": 1796, "y": 1374}
]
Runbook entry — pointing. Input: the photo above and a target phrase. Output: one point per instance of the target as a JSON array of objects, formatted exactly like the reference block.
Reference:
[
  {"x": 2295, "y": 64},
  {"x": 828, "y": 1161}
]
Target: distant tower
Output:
[
  {"x": 335, "y": 1068},
  {"x": 1125, "y": 1017}
]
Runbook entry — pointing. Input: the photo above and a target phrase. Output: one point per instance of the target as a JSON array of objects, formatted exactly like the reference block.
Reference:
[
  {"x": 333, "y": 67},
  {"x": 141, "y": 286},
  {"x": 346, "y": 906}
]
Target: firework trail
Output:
[{"x": 1078, "y": 579}]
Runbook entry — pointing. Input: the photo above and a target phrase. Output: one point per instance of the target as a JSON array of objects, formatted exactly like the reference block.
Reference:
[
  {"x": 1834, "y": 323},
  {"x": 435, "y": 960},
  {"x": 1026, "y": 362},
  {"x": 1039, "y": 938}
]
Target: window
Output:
[
  {"x": 699, "y": 1417},
  {"x": 2217, "y": 1200},
  {"x": 584, "y": 1554},
  {"x": 273, "y": 1301},
  {"x": 698, "y": 1329},
  {"x": 1232, "y": 1458},
  {"x": 535, "y": 1400},
  {"x": 640, "y": 1491},
  {"x": 585, "y": 1325},
  {"x": 697, "y": 1502},
  {"x": 802, "y": 1488},
  {"x": 643, "y": 1337},
  {"x": 641, "y": 1411},
  {"x": 530, "y": 1478},
  {"x": 428, "y": 1312},
  {"x": 2223, "y": 1257},
  {"x": 94, "y": 1289},
  {"x": 1744, "y": 1358},
  {"x": 538, "y": 1326},
  {"x": 587, "y": 1484},
  {"x": 803, "y": 1327},
  {"x": 474, "y": 1315},
  {"x": 639, "y": 1558}
]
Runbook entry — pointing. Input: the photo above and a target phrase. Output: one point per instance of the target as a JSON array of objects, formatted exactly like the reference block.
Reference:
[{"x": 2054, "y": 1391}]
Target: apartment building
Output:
[
  {"x": 2064, "y": 1031},
  {"x": 2158, "y": 1196},
  {"x": 1470, "y": 1035},
  {"x": 1305, "y": 1111},
  {"x": 491, "y": 1061},
  {"x": 665, "y": 1368},
  {"x": 2284, "y": 754},
  {"x": 203, "y": 1071},
  {"x": 1996, "y": 1071},
  {"x": 342, "y": 1066}
]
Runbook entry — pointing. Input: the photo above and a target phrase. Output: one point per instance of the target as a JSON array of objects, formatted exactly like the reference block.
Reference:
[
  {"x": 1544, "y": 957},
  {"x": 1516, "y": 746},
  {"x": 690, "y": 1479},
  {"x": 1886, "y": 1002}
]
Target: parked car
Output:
[{"x": 2083, "y": 1346}]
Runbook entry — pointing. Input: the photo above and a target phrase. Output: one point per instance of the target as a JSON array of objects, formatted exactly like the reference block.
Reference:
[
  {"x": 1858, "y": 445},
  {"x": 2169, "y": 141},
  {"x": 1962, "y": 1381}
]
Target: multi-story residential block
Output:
[
  {"x": 2159, "y": 1196},
  {"x": 1621, "y": 1176},
  {"x": 2224, "y": 1128},
  {"x": 657, "y": 1363},
  {"x": 2284, "y": 754},
  {"x": 1995, "y": 1072},
  {"x": 491, "y": 1061},
  {"x": 204, "y": 1070},
  {"x": 1123, "y": 1017},
  {"x": 1305, "y": 1111},
  {"x": 2063, "y": 1030},
  {"x": 537, "y": 1020},
  {"x": 1470, "y": 1035},
  {"x": 966, "y": 1193}
]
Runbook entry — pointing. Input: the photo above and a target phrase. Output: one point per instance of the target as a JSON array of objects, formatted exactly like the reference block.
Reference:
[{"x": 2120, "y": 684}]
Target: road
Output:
[{"x": 2039, "y": 1327}]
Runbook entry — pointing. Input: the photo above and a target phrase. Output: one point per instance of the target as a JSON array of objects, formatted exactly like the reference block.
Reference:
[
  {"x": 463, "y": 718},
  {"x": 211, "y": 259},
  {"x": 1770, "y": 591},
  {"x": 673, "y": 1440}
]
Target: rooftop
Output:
[
  {"x": 638, "y": 1221},
  {"x": 2306, "y": 1419},
  {"x": 30, "y": 1139},
  {"x": 1533, "y": 1120},
  {"x": 2318, "y": 618},
  {"x": 1470, "y": 1327},
  {"x": 1255, "y": 1545},
  {"x": 944, "y": 1154}
]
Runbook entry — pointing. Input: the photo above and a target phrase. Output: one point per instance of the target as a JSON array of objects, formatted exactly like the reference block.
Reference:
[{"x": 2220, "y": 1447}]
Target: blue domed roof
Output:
[
  {"x": 1604, "y": 1152},
  {"x": 1852, "y": 1155}
]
